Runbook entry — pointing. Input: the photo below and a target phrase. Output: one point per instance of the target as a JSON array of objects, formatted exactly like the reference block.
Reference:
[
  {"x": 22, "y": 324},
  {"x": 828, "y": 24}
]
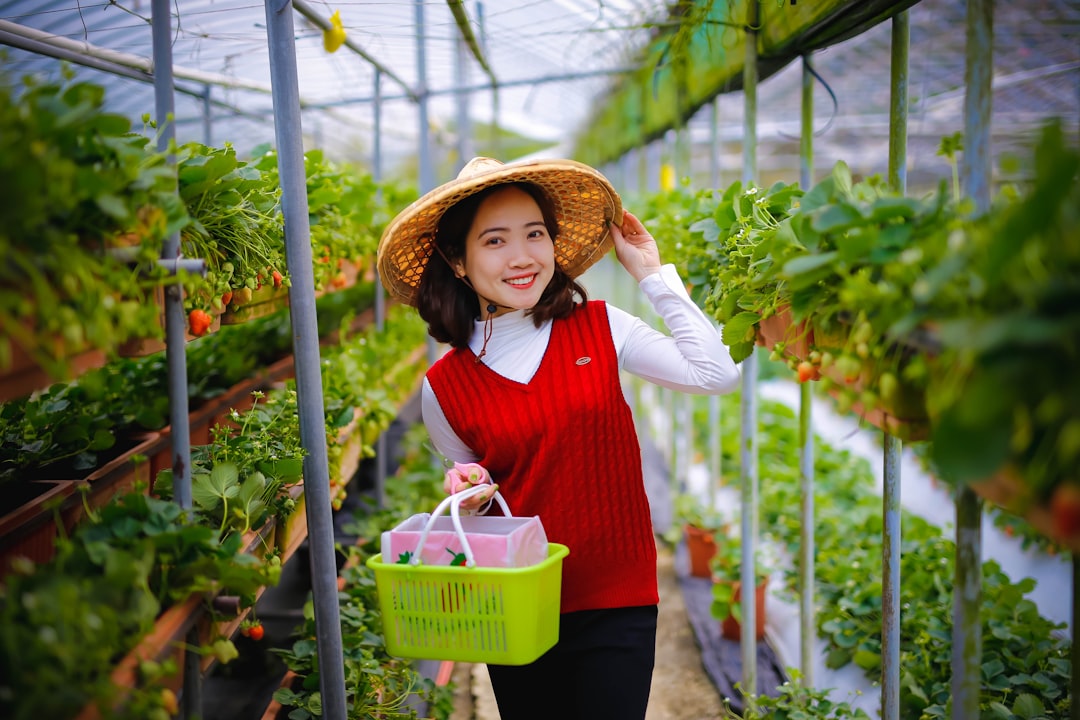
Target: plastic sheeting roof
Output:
[
  {"x": 525, "y": 40},
  {"x": 555, "y": 60}
]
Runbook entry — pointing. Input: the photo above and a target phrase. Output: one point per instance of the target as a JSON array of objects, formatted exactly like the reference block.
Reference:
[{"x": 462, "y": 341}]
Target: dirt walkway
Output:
[{"x": 681, "y": 690}]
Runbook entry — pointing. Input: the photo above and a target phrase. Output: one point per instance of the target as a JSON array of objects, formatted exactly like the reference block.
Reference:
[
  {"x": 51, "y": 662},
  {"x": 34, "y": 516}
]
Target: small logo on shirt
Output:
[{"x": 583, "y": 360}]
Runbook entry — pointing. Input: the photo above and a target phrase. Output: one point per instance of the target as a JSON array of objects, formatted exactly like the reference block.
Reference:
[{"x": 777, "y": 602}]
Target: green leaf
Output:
[
  {"x": 867, "y": 660},
  {"x": 112, "y": 206},
  {"x": 837, "y": 217},
  {"x": 738, "y": 327},
  {"x": 1028, "y": 707}
]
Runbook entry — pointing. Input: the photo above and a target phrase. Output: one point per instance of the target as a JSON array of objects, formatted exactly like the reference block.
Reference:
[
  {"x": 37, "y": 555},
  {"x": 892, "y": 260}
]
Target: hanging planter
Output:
[
  {"x": 1007, "y": 490},
  {"x": 24, "y": 374},
  {"x": 197, "y": 323},
  {"x": 883, "y": 399},
  {"x": 263, "y": 301}
]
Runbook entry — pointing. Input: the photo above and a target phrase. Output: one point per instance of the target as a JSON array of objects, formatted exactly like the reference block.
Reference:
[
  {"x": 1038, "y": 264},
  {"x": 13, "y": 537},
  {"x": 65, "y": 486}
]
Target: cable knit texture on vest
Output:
[{"x": 563, "y": 446}]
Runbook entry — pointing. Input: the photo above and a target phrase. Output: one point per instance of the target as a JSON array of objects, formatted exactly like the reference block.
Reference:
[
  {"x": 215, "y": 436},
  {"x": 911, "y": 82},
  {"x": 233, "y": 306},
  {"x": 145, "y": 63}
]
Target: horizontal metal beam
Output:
[{"x": 476, "y": 88}]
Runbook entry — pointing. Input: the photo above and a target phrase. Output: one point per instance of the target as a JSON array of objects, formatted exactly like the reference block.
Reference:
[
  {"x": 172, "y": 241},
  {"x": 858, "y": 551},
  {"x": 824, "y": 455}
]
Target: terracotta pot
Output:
[
  {"x": 731, "y": 629},
  {"x": 702, "y": 547}
]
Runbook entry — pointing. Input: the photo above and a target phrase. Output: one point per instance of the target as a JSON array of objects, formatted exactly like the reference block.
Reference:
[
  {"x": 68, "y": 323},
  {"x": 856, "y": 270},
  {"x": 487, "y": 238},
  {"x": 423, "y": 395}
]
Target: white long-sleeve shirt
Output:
[{"x": 693, "y": 359}]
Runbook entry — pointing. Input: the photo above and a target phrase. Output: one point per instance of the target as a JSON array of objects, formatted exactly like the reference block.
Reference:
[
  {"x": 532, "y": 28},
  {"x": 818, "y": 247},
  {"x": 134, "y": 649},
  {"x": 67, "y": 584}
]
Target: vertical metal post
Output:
[
  {"x": 807, "y": 622},
  {"x": 714, "y": 143},
  {"x": 715, "y": 452},
  {"x": 207, "y": 122},
  {"x": 975, "y": 169},
  {"x": 461, "y": 98},
  {"x": 748, "y": 435},
  {"x": 285, "y": 90},
  {"x": 376, "y": 121},
  {"x": 427, "y": 172},
  {"x": 380, "y": 293},
  {"x": 175, "y": 340},
  {"x": 892, "y": 531},
  {"x": 176, "y": 358},
  {"x": 1074, "y": 653},
  {"x": 898, "y": 101}
]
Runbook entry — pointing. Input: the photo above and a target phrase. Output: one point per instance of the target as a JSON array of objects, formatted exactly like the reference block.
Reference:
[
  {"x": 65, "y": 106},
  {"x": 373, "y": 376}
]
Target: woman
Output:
[{"x": 531, "y": 392}]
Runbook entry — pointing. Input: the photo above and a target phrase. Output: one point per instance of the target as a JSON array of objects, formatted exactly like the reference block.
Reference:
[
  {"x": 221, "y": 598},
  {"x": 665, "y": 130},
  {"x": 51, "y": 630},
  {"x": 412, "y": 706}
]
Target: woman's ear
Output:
[{"x": 459, "y": 269}]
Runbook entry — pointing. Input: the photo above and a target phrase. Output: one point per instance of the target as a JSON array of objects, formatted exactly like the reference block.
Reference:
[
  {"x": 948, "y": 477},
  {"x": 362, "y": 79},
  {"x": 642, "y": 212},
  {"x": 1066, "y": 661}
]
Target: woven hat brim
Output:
[{"x": 585, "y": 204}]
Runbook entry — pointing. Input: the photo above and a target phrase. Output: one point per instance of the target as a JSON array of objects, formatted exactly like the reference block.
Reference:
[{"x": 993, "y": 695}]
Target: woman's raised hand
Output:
[{"x": 635, "y": 247}]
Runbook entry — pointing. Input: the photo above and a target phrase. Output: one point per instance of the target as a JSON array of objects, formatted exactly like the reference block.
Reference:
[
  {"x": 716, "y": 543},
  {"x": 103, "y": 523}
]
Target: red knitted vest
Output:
[{"x": 563, "y": 446}]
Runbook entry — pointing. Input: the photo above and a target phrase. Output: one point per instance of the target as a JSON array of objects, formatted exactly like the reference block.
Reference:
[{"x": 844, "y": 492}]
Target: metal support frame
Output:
[
  {"x": 289, "y": 135},
  {"x": 891, "y": 529},
  {"x": 175, "y": 341},
  {"x": 976, "y": 175},
  {"x": 807, "y": 622},
  {"x": 749, "y": 441}
]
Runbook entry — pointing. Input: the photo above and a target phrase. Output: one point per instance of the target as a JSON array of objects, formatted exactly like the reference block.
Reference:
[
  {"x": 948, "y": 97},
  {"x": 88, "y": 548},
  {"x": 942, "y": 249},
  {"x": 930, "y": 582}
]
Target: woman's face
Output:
[{"x": 509, "y": 255}]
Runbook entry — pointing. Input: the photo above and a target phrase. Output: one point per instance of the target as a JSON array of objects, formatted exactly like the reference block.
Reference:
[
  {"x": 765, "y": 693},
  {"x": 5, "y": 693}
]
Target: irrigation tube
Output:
[
  {"x": 975, "y": 169},
  {"x": 748, "y": 452},
  {"x": 286, "y": 95},
  {"x": 891, "y": 527},
  {"x": 807, "y": 633}
]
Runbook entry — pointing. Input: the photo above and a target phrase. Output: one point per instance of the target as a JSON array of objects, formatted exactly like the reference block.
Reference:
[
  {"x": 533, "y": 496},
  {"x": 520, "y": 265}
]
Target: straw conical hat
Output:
[{"x": 585, "y": 203}]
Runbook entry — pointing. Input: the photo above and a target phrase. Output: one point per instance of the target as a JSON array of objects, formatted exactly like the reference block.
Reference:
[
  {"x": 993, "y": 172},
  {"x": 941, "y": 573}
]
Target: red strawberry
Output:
[
  {"x": 199, "y": 322},
  {"x": 807, "y": 371},
  {"x": 1065, "y": 510}
]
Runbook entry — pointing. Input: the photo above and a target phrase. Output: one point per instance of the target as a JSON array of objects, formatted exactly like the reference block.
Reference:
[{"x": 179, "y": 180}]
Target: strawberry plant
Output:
[
  {"x": 236, "y": 225},
  {"x": 100, "y": 596},
  {"x": 86, "y": 183}
]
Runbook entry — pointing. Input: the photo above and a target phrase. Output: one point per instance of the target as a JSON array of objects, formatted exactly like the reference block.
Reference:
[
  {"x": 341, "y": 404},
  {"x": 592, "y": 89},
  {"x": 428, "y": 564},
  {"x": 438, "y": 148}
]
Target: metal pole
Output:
[
  {"x": 207, "y": 118},
  {"x": 464, "y": 129},
  {"x": 376, "y": 120},
  {"x": 975, "y": 169},
  {"x": 289, "y": 135},
  {"x": 380, "y": 294},
  {"x": 714, "y": 143},
  {"x": 807, "y": 631},
  {"x": 1074, "y": 653},
  {"x": 175, "y": 340},
  {"x": 715, "y": 451},
  {"x": 427, "y": 173},
  {"x": 748, "y": 434},
  {"x": 892, "y": 532}
]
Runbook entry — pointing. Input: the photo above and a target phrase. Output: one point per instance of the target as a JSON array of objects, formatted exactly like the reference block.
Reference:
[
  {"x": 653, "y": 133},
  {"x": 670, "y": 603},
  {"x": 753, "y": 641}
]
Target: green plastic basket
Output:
[{"x": 505, "y": 616}]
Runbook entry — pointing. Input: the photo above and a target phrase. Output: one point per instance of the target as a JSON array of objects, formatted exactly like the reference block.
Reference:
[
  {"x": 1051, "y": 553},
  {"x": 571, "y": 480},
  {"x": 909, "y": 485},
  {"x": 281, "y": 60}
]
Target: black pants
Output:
[{"x": 600, "y": 668}]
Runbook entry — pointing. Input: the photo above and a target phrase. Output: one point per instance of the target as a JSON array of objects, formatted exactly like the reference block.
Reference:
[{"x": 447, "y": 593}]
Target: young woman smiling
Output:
[{"x": 531, "y": 392}]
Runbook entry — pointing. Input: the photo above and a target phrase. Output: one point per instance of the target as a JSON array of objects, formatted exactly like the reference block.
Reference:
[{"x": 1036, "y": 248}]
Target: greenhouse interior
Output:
[{"x": 216, "y": 408}]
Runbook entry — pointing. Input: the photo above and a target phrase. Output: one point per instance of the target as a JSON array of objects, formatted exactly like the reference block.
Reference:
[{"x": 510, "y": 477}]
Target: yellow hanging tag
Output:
[
  {"x": 334, "y": 38},
  {"x": 667, "y": 177}
]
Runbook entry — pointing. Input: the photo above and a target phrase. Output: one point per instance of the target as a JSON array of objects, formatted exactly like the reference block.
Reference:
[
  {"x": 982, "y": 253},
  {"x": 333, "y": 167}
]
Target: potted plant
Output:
[
  {"x": 696, "y": 522},
  {"x": 726, "y": 568}
]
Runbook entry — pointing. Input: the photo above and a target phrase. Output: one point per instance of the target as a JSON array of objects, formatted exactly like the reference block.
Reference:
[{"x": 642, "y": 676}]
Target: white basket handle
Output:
[{"x": 454, "y": 502}]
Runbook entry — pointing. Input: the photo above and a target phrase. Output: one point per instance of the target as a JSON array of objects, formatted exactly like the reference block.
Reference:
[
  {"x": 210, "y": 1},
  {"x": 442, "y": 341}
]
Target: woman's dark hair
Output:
[{"x": 449, "y": 305}]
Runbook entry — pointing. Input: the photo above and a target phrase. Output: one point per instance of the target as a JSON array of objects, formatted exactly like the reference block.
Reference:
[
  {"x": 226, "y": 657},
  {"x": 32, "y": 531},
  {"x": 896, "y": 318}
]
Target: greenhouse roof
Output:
[{"x": 562, "y": 67}]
